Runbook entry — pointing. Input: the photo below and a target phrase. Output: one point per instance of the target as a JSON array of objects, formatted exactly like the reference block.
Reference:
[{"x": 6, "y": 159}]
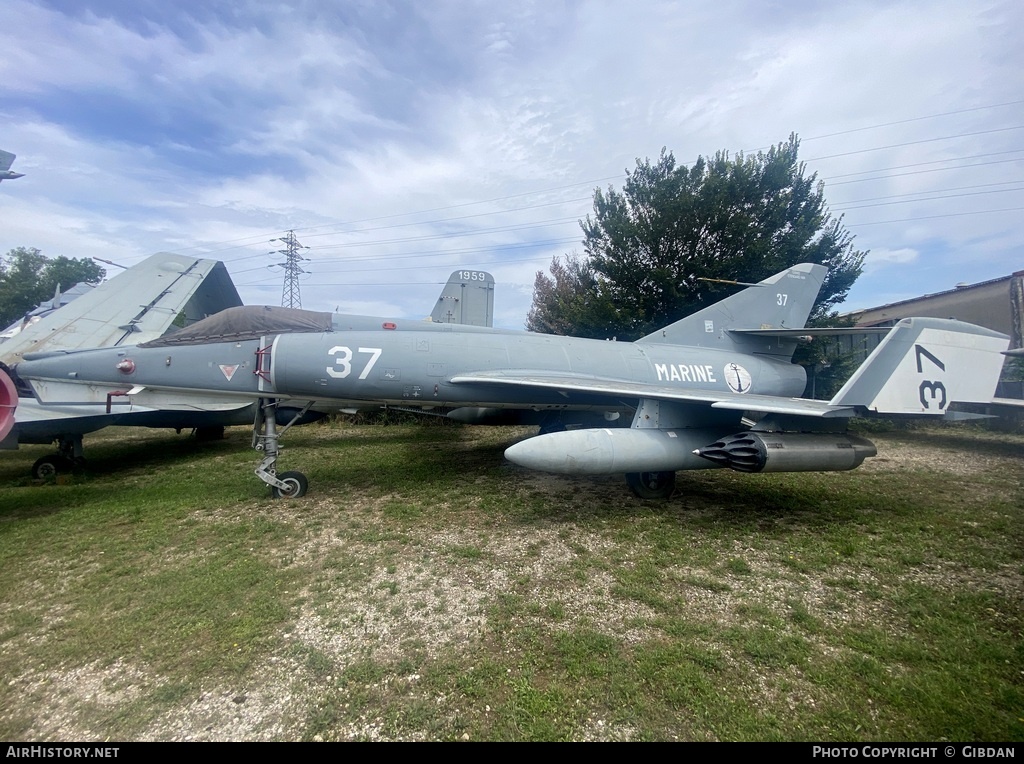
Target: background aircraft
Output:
[
  {"x": 167, "y": 291},
  {"x": 6, "y": 160},
  {"x": 161, "y": 292},
  {"x": 60, "y": 298},
  {"x": 688, "y": 386},
  {"x": 467, "y": 299}
]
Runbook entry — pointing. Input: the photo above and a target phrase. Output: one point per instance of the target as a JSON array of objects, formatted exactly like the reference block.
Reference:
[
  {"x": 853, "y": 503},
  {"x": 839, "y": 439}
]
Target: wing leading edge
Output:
[{"x": 617, "y": 388}]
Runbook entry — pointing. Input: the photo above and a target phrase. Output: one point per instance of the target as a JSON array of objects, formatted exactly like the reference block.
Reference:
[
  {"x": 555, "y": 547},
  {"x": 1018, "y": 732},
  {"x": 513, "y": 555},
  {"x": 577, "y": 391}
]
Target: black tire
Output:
[
  {"x": 297, "y": 483},
  {"x": 48, "y": 467},
  {"x": 651, "y": 485}
]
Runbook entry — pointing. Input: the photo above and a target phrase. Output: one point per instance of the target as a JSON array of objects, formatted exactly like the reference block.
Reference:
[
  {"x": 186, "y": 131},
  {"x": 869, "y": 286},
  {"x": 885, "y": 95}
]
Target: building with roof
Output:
[{"x": 995, "y": 304}]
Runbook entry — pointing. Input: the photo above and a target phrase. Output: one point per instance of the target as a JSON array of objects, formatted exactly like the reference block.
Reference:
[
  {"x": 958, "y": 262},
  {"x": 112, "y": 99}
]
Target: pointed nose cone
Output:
[
  {"x": 536, "y": 454},
  {"x": 96, "y": 365}
]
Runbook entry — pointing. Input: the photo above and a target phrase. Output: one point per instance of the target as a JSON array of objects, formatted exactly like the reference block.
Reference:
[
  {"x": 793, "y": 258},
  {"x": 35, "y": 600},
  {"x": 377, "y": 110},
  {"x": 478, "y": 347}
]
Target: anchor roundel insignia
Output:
[{"x": 737, "y": 378}]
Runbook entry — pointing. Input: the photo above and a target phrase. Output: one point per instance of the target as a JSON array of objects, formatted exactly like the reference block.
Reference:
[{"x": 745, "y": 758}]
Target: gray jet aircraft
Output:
[
  {"x": 141, "y": 304},
  {"x": 716, "y": 389},
  {"x": 6, "y": 173}
]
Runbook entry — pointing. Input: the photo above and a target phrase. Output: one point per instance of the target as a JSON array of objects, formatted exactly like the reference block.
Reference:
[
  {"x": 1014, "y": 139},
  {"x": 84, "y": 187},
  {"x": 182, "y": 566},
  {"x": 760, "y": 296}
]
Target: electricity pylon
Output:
[{"x": 290, "y": 296}]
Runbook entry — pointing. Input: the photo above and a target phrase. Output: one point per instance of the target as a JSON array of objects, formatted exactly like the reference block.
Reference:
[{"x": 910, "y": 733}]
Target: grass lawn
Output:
[{"x": 426, "y": 589}]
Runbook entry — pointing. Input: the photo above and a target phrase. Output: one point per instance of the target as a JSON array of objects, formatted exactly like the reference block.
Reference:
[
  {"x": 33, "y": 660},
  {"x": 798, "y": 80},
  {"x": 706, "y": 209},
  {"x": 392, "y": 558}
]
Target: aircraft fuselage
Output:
[{"x": 418, "y": 368}]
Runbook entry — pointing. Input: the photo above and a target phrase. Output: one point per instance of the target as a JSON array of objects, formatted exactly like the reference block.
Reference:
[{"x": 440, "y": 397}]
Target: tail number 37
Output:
[
  {"x": 930, "y": 390},
  {"x": 343, "y": 361}
]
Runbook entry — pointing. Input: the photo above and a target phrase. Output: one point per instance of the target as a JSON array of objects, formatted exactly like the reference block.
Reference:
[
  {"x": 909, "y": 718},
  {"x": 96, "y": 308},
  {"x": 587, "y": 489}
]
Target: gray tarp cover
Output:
[{"x": 248, "y": 322}]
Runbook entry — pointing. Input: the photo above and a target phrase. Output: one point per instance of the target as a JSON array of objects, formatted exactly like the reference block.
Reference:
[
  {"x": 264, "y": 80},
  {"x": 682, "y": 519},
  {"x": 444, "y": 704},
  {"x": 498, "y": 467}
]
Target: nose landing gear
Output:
[{"x": 265, "y": 438}]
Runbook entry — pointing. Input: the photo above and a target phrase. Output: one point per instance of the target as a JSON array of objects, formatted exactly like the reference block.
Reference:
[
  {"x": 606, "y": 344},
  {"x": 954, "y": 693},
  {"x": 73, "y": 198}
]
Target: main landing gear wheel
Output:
[
  {"x": 296, "y": 485},
  {"x": 48, "y": 467},
  {"x": 651, "y": 485}
]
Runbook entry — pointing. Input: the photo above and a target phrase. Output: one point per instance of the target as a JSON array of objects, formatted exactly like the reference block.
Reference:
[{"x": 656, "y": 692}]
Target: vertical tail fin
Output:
[
  {"x": 782, "y": 301},
  {"x": 924, "y": 364},
  {"x": 467, "y": 298}
]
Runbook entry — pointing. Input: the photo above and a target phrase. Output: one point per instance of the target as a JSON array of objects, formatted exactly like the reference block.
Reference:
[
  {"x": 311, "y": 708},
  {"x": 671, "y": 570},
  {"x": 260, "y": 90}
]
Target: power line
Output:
[
  {"x": 576, "y": 185},
  {"x": 878, "y": 125},
  {"x": 445, "y": 253},
  {"x": 547, "y": 256},
  {"x": 256, "y": 238},
  {"x": 919, "y": 172},
  {"x": 912, "y": 119},
  {"x": 937, "y": 217},
  {"x": 845, "y": 208},
  {"x": 459, "y": 206},
  {"x": 543, "y": 223},
  {"x": 522, "y": 227},
  {"x": 935, "y": 161},
  {"x": 932, "y": 191},
  {"x": 915, "y": 143},
  {"x": 450, "y": 220}
]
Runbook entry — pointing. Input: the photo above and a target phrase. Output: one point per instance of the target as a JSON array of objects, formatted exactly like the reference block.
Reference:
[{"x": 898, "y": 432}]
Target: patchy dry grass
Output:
[{"x": 425, "y": 589}]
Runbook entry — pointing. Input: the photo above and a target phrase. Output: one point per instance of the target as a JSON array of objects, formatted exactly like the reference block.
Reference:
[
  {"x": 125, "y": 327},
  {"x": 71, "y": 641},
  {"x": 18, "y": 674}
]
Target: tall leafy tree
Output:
[
  {"x": 27, "y": 278},
  {"x": 646, "y": 247}
]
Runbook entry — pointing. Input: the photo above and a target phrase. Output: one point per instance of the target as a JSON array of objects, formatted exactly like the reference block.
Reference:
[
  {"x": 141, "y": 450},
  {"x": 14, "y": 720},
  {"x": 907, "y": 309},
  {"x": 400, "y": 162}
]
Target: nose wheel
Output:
[{"x": 295, "y": 486}]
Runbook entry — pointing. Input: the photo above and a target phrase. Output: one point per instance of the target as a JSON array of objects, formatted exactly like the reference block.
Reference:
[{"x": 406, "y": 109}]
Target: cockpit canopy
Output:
[{"x": 248, "y": 322}]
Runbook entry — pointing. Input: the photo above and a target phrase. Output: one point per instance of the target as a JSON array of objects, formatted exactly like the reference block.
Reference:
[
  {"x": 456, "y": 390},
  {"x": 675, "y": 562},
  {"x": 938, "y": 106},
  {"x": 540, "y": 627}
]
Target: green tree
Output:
[
  {"x": 645, "y": 247},
  {"x": 27, "y": 278}
]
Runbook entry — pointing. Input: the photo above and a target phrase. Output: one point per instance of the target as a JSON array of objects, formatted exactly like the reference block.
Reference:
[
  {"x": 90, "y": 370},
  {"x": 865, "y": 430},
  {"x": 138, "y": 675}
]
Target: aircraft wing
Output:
[
  {"x": 768, "y": 404},
  {"x": 135, "y": 306}
]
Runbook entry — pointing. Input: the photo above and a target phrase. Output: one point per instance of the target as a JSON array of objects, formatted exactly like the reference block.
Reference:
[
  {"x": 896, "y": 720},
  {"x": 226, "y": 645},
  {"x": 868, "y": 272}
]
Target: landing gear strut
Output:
[
  {"x": 69, "y": 455},
  {"x": 265, "y": 437}
]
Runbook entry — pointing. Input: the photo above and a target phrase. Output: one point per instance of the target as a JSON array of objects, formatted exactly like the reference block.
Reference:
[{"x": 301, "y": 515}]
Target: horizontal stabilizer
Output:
[{"x": 924, "y": 365}]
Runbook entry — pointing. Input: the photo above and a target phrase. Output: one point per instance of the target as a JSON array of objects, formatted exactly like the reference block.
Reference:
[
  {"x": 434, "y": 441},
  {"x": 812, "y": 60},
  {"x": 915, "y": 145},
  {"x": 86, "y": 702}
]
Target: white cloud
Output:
[{"x": 878, "y": 259}]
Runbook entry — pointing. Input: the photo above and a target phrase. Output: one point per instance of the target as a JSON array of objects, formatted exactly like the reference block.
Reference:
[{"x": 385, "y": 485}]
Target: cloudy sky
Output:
[{"x": 404, "y": 140}]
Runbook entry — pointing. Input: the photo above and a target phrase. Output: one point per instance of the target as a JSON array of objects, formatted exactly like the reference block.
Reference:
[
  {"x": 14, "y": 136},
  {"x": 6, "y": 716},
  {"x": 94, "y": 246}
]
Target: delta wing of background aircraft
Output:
[
  {"x": 716, "y": 389},
  {"x": 141, "y": 305}
]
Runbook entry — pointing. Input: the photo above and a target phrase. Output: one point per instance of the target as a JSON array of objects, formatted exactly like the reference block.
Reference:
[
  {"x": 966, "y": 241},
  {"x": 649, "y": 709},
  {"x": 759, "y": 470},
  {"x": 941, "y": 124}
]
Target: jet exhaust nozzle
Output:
[{"x": 788, "y": 452}]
